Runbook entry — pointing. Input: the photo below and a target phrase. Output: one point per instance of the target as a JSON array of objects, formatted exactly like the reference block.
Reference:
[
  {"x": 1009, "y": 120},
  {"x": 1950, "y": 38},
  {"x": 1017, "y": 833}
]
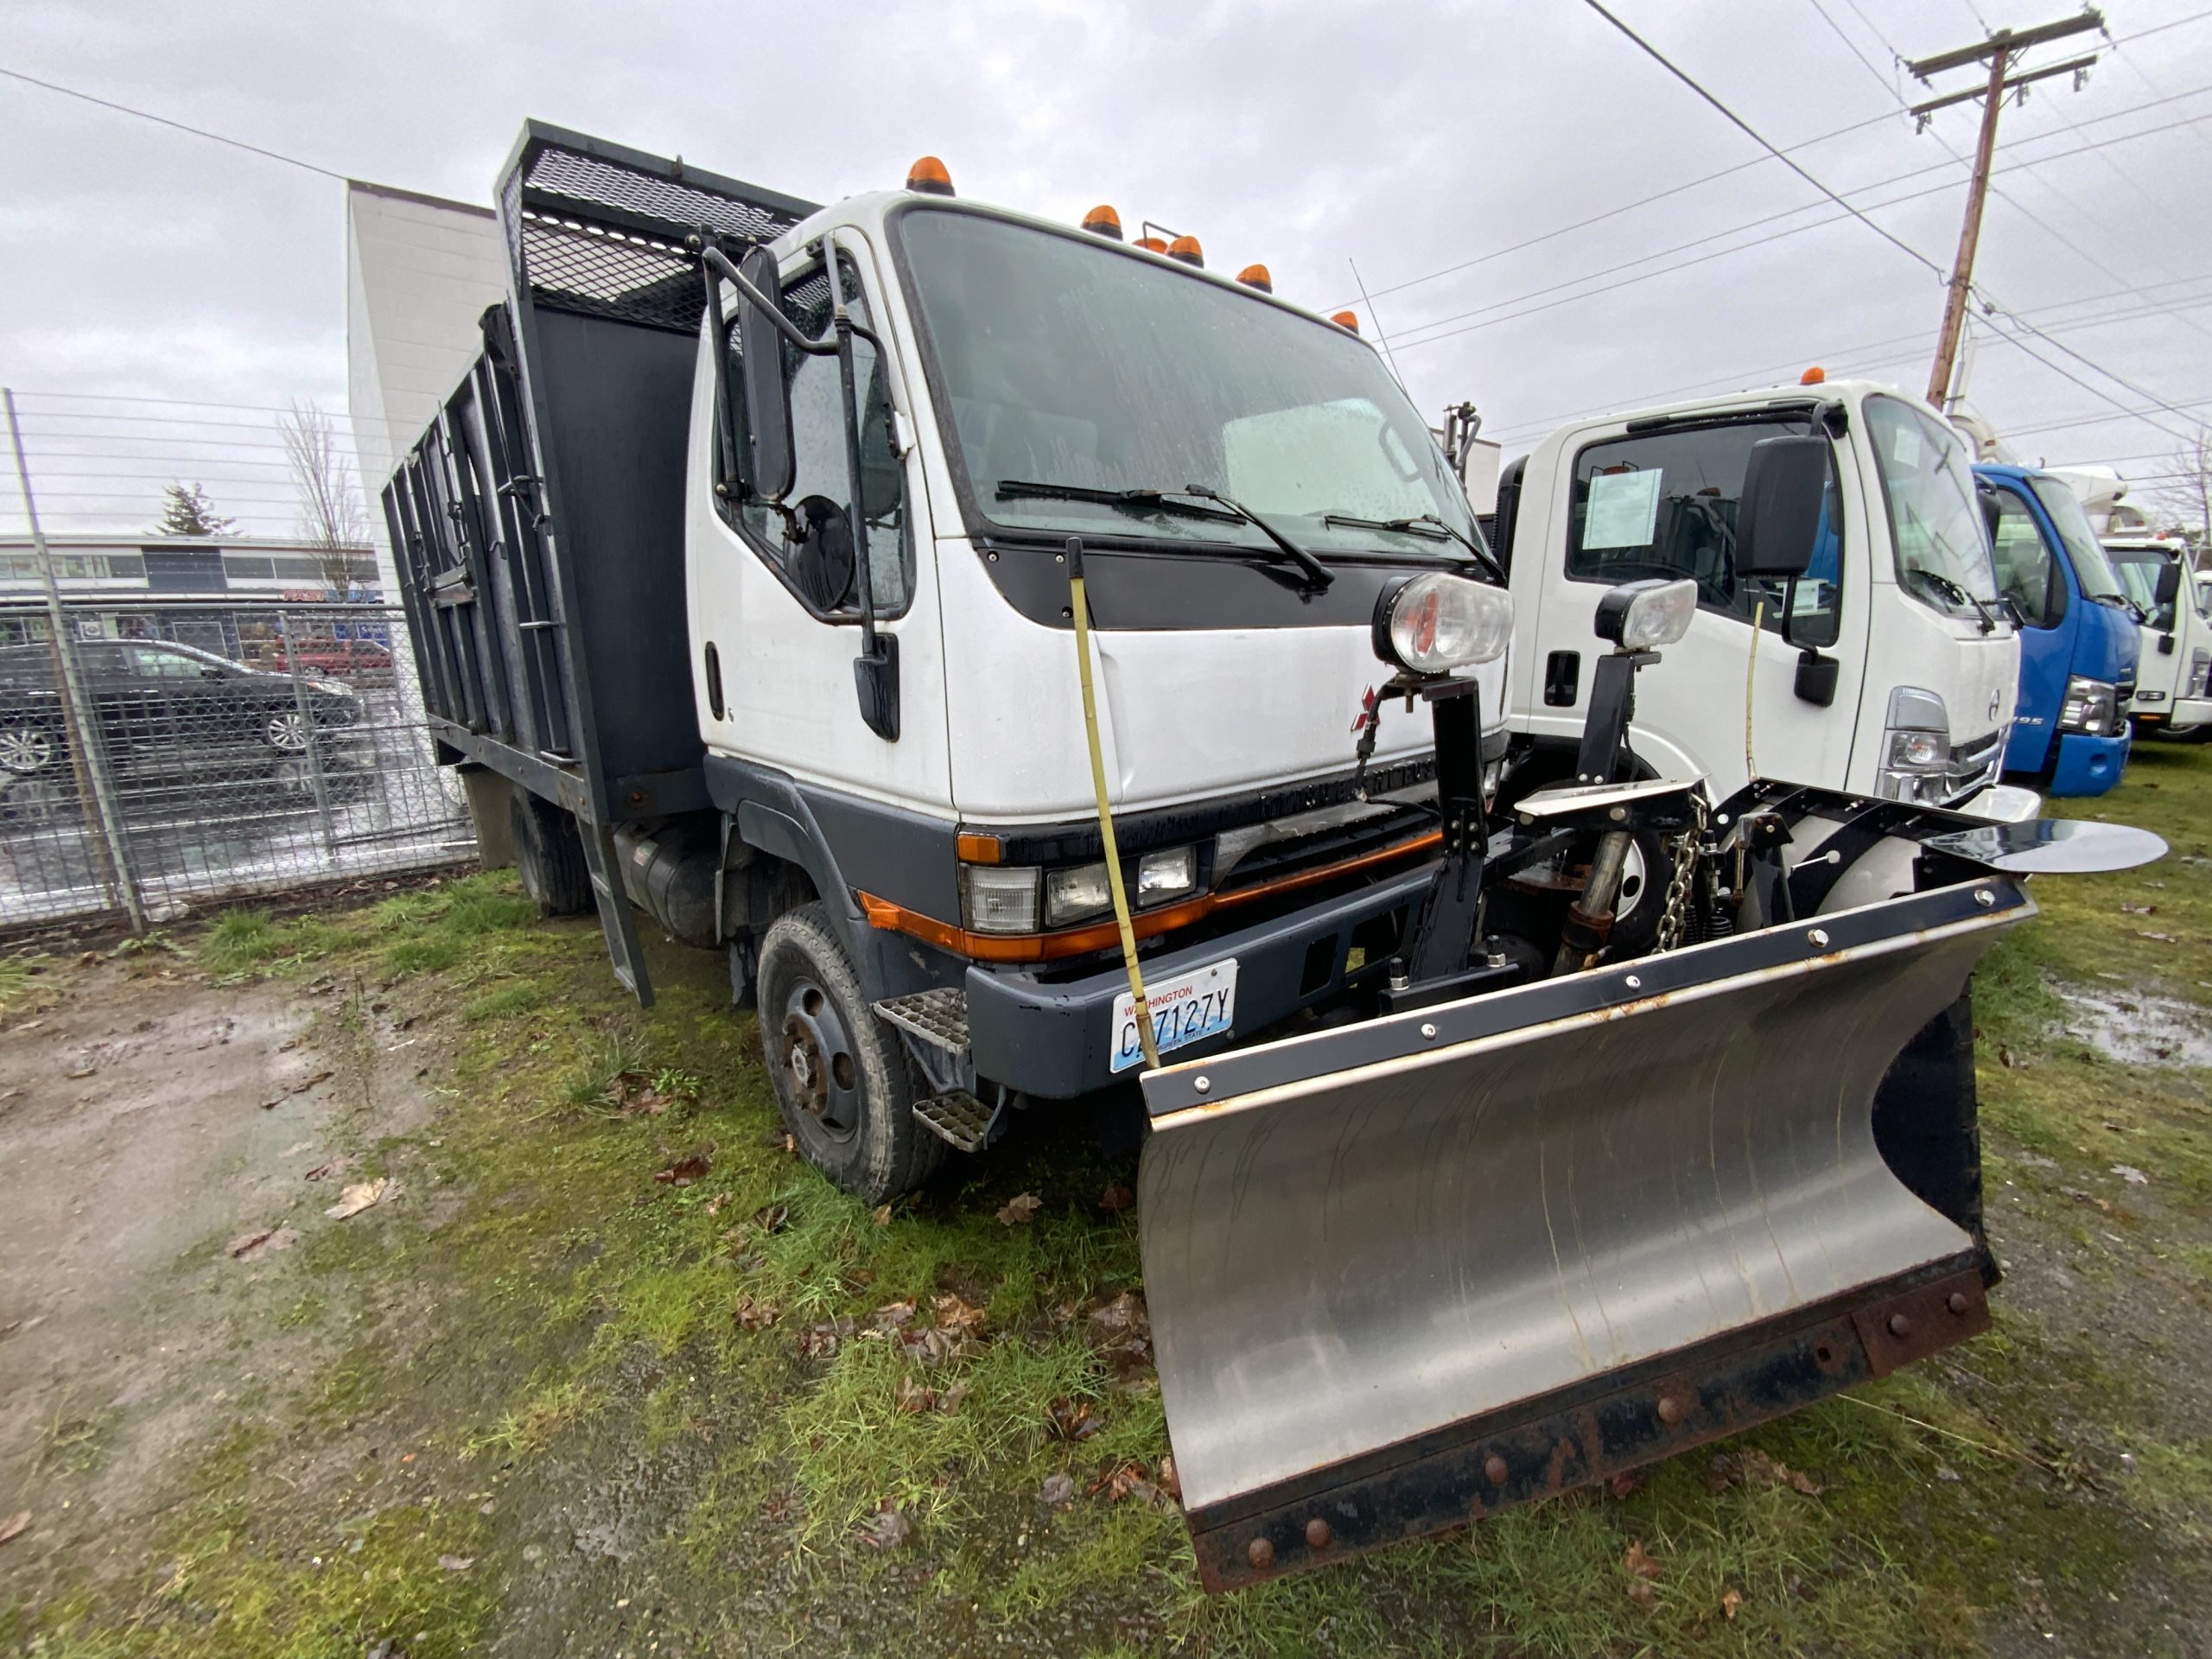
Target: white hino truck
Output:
[{"x": 1042, "y": 666}]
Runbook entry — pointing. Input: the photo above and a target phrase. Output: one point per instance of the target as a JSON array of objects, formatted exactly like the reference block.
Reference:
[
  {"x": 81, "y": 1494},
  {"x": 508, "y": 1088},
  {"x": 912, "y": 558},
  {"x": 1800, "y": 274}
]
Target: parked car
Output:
[
  {"x": 358, "y": 661},
  {"x": 170, "y": 714}
]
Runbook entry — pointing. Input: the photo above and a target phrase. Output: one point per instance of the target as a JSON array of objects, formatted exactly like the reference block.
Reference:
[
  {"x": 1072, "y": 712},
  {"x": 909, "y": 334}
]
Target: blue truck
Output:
[{"x": 2079, "y": 645}]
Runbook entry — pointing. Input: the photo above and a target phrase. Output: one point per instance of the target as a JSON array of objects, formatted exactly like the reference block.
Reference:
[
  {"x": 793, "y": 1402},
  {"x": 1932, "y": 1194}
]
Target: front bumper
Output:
[
  {"x": 1054, "y": 1038},
  {"x": 2088, "y": 766},
  {"x": 2003, "y": 804},
  {"x": 2189, "y": 712}
]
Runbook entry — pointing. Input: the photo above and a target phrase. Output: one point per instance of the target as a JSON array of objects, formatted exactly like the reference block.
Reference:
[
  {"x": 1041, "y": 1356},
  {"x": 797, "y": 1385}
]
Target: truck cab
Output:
[
  {"x": 2171, "y": 697},
  {"x": 1888, "y": 670},
  {"x": 2078, "y": 644}
]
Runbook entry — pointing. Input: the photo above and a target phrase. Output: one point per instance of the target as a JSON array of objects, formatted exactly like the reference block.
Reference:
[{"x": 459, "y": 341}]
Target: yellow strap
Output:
[
  {"x": 1751, "y": 686},
  {"x": 1081, "y": 608}
]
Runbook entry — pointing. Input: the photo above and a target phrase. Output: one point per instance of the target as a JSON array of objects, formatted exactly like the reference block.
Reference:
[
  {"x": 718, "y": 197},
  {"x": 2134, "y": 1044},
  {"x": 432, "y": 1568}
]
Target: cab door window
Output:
[
  {"x": 804, "y": 538},
  {"x": 2026, "y": 573},
  {"x": 1663, "y": 504}
]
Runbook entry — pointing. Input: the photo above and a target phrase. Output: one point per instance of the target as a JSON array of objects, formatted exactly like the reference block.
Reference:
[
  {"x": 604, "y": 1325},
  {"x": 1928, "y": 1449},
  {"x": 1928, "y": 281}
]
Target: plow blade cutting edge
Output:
[{"x": 1405, "y": 1274}]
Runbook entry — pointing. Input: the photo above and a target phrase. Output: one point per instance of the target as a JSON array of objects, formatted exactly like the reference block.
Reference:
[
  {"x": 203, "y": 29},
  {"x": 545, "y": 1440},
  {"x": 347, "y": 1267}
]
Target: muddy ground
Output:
[{"x": 602, "y": 1369}]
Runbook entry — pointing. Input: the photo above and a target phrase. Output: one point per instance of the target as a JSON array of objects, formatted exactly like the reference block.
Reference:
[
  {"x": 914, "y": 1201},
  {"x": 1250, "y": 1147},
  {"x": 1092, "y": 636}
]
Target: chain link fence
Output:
[{"x": 157, "y": 751}]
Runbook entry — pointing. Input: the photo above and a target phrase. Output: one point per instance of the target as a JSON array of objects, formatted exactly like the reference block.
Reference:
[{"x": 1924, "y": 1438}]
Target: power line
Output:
[
  {"x": 180, "y": 126},
  {"x": 1922, "y": 259}
]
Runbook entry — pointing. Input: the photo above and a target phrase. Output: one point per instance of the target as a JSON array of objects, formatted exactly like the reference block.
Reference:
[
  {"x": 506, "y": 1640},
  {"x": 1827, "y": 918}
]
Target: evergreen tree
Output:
[{"x": 190, "y": 513}]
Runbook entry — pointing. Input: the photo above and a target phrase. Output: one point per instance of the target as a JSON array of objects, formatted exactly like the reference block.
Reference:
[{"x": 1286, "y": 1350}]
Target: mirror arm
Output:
[
  {"x": 727, "y": 481},
  {"x": 716, "y": 261}
]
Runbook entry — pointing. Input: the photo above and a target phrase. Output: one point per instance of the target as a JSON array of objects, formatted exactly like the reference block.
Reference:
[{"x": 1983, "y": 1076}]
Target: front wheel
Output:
[
  {"x": 27, "y": 748},
  {"x": 841, "y": 1077}
]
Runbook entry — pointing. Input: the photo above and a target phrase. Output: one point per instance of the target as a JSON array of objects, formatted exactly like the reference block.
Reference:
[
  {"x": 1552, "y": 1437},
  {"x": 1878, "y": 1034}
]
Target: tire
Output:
[
  {"x": 841, "y": 1077},
  {"x": 286, "y": 731},
  {"x": 549, "y": 856}
]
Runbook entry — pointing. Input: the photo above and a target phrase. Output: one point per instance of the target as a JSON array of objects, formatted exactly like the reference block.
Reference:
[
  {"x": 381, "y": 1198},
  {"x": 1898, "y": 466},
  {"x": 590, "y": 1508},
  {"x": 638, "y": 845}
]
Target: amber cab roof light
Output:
[
  {"x": 928, "y": 176},
  {"x": 1346, "y": 319},
  {"x": 1813, "y": 376},
  {"x": 1152, "y": 245},
  {"x": 1103, "y": 221},
  {"x": 1186, "y": 249},
  {"x": 1257, "y": 277}
]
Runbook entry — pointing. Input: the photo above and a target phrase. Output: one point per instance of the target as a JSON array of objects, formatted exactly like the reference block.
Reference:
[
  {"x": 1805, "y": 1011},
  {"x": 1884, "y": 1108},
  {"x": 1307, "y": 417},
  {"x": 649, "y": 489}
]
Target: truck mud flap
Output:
[{"x": 1406, "y": 1274}]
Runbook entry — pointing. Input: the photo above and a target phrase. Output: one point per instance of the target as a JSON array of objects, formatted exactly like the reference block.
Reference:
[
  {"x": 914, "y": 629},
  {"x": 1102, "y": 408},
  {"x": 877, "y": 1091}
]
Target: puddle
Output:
[{"x": 2139, "y": 1027}]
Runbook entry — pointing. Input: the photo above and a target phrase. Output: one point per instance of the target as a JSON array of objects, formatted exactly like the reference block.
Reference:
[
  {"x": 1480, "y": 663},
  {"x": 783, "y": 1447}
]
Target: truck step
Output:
[
  {"x": 960, "y": 1119},
  {"x": 938, "y": 1018}
]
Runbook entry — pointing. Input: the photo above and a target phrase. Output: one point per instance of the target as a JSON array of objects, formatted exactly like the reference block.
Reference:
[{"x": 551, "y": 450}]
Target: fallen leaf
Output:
[
  {"x": 881, "y": 1215},
  {"x": 934, "y": 1346},
  {"x": 84, "y": 1070},
  {"x": 251, "y": 1247},
  {"x": 894, "y": 1316},
  {"x": 1731, "y": 1599},
  {"x": 1622, "y": 1484},
  {"x": 2131, "y": 1175},
  {"x": 1058, "y": 1491},
  {"x": 1124, "y": 1315},
  {"x": 1170, "y": 1482},
  {"x": 885, "y": 1529},
  {"x": 1071, "y": 1420},
  {"x": 1018, "y": 1211},
  {"x": 324, "y": 1170},
  {"x": 1643, "y": 1595},
  {"x": 1116, "y": 1198},
  {"x": 456, "y": 1563},
  {"x": 753, "y": 1314},
  {"x": 1751, "y": 1467},
  {"x": 2162, "y": 939},
  {"x": 2139, "y": 910},
  {"x": 955, "y": 1313},
  {"x": 821, "y": 1341},
  {"x": 359, "y": 1196},
  {"x": 715, "y": 1204},
  {"x": 908, "y": 1396},
  {"x": 1125, "y": 1478},
  {"x": 949, "y": 1401},
  {"x": 14, "y": 1525},
  {"x": 2005, "y": 1057},
  {"x": 683, "y": 1171},
  {"x": 1638, "y": 1561}
]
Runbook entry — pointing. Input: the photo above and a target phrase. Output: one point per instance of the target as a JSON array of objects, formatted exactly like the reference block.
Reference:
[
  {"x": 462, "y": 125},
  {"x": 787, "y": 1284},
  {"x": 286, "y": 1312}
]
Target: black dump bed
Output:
[{"x": 538, "y": 524}]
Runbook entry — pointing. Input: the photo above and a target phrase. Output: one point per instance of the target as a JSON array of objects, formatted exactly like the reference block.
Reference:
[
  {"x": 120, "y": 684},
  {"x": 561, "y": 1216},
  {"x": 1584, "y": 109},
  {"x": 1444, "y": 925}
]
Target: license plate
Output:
[{"x": 1184, "y": 1009}]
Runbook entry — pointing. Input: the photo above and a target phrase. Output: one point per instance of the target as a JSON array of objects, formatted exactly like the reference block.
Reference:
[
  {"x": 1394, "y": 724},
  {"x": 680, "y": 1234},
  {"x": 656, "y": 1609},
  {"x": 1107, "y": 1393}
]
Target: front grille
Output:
[
  {"x": 1974, "y": 764},
  {"x": 1276, "y": 860},
  {"x": 2123, "y": 694}
]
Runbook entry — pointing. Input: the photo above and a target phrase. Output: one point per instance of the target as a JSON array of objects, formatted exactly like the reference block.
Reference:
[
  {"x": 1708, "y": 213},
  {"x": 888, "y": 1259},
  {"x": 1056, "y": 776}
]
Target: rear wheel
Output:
[
  {"x": 841, "y": 1077},
  {"x": 549, "y": 856}
]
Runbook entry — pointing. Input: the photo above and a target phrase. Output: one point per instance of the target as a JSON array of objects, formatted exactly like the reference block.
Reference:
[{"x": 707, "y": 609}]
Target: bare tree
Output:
[
  {"x": 332, "y": 521},
  {"x": 2186, "y": 491}
]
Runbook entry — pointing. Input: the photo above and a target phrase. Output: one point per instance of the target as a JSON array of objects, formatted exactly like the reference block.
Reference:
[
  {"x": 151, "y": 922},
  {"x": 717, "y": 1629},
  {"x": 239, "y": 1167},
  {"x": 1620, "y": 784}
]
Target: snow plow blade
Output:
[{"x": 1405, "y": 1274}]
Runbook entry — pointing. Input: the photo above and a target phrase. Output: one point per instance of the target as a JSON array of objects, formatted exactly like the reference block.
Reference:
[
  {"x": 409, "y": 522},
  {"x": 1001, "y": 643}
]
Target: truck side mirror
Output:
[
  {"x": 767, "y": 395},
  {"x": 1779, "y": 515},
  {"x": 2169, "y": 588}
]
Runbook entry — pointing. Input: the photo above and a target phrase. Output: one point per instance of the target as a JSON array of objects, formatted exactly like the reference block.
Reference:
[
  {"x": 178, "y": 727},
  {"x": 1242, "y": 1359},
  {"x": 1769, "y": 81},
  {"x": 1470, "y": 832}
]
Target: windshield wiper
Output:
[
  {"x": 1165, "y": 500},
  {"x": 1958, "y": 596},
  {"x": 2122, "y": 601},
  {"x": 1423, "y": 524}
]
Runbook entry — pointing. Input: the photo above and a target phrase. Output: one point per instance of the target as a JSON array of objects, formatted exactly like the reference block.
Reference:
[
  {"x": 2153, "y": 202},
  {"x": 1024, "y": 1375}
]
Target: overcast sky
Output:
[{"x": 137, "y": 260}]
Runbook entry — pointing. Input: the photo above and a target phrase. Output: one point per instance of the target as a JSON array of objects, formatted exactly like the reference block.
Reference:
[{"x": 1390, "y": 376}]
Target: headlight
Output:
[
  {"x": 999, "y": 898},
  {"x": 1435, "y": 623},
  {"x": 1645, "y": 615},
  {"x": 1168, "y": 874},
  {"x": 1920, "y": 750},
  {"x": 1070, "y": 895},
  {"x": 1916, "y": 748},
  {"x": 2200, "y": 669},
  {"x": 2091, "y": 706}
]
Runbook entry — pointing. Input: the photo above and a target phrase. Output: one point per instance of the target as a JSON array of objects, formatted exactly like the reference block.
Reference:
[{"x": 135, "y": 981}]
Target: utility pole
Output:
[{"x": 1999, "y": 52}]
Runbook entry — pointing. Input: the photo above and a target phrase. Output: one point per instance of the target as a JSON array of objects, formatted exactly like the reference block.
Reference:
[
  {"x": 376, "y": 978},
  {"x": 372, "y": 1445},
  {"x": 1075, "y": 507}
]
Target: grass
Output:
[{"x": 728, "y": 1355}]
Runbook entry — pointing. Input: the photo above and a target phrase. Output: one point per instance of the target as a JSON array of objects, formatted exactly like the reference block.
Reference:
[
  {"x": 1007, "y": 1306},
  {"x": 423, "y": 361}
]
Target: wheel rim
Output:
[
  {"x": 287, "y": 730},
  {"x": 1636, "y": 882},
  {"x": 820, "y": 1063},
  {"x": 24, "y": 748}
]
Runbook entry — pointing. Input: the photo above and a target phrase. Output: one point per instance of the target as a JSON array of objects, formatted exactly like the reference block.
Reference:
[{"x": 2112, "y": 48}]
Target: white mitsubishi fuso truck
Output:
[
  {"x": 1889, "y": 668},
  {"x": 1042, "y": 666}
]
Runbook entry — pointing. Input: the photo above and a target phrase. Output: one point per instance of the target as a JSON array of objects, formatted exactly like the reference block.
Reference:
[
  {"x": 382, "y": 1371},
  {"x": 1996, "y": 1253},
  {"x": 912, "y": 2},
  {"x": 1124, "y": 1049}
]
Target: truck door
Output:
[
  {"x": 2031, "y": 575},
  {"x": 1663, "y": 503},
  {"x": 772, "y": 588}
]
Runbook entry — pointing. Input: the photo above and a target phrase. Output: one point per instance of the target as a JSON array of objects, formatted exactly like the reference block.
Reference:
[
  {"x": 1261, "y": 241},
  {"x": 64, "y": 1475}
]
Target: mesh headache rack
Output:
[{"x": 599, "y": 229}]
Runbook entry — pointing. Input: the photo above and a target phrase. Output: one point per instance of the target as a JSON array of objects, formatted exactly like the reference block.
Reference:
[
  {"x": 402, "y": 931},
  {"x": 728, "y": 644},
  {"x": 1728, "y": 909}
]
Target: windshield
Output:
[
  {"x": 1063, "y": 360},
  {"x": 2091, "y": 568},
  {"x": 1935, "y": 527},
  {"x": 2138, "y": 568}
]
